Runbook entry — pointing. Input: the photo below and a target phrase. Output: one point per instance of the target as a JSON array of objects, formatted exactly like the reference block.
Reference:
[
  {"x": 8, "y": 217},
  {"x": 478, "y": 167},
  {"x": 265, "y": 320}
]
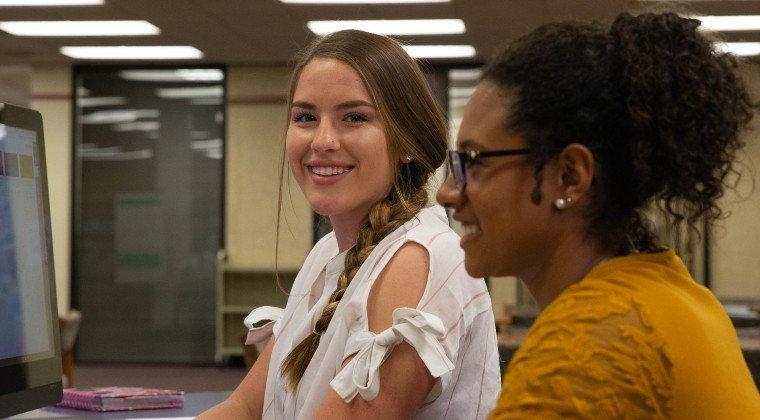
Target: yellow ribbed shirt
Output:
[{"x": 635, "y": 338}]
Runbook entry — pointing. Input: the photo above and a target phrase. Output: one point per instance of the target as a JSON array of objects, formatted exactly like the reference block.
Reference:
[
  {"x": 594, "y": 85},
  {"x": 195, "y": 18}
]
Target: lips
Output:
[{"x": 470, "y": 231}]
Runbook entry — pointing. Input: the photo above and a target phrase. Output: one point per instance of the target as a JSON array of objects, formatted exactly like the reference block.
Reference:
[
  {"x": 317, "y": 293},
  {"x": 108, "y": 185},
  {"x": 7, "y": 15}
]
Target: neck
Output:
[
  {"x": 568, "y": 263},
  {"x": 347, "y": 228}
]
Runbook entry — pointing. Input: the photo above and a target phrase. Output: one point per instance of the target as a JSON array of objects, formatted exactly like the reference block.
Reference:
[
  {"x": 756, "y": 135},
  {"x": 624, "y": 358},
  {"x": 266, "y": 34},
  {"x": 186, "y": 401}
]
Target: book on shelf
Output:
[{"x": 117, "y": 398}]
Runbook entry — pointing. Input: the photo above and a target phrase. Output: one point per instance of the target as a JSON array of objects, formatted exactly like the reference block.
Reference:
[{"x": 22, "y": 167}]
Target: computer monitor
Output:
[{"x": 30, "y": 350}]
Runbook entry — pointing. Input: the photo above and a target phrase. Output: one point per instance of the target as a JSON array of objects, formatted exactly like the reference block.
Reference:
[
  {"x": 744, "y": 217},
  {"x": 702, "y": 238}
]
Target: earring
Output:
[
  {"x": 332, "y": 140},
  {"x": 561, "y": 203},
  {"x": 407, "y": 158}
]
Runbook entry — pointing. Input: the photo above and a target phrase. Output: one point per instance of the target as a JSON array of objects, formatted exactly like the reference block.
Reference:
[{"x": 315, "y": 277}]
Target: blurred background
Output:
[{"x": 164, "y": 123}]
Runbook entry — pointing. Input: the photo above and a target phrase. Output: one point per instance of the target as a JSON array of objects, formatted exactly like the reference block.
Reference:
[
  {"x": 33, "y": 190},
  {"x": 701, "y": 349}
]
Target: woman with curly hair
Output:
[
  {"x": 382, "y": 320},
  {"x": 572, "y": 134}
]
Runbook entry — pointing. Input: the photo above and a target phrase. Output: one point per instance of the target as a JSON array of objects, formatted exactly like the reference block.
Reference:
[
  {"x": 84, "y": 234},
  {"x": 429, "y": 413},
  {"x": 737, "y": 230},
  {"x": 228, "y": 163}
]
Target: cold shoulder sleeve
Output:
[
  {"x": 591, "y": 354},
  {"x": 420, "y": 329},
  {"x": 262, "y": 332}
]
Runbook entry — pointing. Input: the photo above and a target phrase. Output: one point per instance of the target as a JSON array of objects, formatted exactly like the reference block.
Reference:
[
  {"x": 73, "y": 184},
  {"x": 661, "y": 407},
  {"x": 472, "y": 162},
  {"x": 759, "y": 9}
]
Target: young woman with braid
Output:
[
  {"x": 382, "y": 321},
  {"x": 574, "y": 131}
]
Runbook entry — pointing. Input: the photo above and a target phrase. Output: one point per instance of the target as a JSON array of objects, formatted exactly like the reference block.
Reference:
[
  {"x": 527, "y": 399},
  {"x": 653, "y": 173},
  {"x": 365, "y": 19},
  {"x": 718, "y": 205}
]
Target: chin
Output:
[
  {"x": 323, "y": 209},
  {"x": 322, "y": 205},
  {"x": 474, "y": 268}
]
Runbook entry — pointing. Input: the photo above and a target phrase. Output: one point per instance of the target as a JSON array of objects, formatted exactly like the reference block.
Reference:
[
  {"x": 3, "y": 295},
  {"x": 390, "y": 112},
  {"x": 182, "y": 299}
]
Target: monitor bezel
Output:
[{"x": 29, "y": 384}]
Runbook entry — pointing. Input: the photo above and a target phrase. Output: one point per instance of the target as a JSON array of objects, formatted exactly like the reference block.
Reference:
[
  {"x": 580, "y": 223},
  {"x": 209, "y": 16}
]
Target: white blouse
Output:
[{"x": 452, "y": 329}]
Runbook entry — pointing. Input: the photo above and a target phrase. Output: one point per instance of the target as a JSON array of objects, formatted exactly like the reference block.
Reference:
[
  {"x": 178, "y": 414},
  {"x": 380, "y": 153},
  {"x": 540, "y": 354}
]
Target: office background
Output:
[{"x": 253, "y": 42}]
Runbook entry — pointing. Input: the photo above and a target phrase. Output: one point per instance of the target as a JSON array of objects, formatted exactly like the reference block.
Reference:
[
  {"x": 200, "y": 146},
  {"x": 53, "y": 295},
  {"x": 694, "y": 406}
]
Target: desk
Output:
[{"x": 195, "y": 403}]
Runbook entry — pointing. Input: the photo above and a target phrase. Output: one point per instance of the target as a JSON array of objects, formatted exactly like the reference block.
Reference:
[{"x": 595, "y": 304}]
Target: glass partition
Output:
[{"x": 148, "y": 196}]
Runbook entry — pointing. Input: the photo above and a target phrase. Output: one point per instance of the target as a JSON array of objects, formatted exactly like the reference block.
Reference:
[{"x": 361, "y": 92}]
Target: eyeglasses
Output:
[{"x": 459, "y": 161}]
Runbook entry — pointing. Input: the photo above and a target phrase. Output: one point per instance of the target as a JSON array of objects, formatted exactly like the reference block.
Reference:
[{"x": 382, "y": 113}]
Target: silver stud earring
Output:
[
  {"x": 407, "y": 158},
  {"x": 561, "y": 203},
  {"x": 332, "y": 140}
]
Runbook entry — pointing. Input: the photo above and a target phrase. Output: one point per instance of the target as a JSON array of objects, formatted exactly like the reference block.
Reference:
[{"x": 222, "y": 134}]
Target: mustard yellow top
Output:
[{"x": 636, "y": 338}]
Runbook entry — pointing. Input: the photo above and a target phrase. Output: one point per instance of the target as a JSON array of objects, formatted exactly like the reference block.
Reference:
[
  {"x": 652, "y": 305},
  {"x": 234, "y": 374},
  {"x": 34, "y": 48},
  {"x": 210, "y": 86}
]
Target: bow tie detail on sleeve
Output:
[
  {"x": 263, "y": 332},
  {"x": 420, "y": 329}
]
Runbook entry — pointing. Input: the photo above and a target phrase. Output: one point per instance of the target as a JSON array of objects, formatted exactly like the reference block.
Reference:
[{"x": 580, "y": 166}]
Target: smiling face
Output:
[
  {"x": 336, "y": 143},
  {"x": 505, "y": 233}
]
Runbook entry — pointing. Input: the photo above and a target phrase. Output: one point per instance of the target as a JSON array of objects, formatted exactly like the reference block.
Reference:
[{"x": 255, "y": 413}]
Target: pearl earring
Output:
[{"x": 561, "y": 203}]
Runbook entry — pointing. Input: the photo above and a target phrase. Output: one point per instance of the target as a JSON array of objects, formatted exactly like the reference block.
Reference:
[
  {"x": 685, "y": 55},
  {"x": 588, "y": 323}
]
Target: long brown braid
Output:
[
  {"x": 384, "y": 217},
  {"x": 414, "y": 125}
]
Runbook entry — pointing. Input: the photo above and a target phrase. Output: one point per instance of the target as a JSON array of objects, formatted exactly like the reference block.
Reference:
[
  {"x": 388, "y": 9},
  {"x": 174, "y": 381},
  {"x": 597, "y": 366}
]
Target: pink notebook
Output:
[{"x": 121, "y": 398}]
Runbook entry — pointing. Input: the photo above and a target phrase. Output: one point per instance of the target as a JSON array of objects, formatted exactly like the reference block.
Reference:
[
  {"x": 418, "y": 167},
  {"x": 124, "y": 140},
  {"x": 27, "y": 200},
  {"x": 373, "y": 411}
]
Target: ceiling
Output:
[{"x": 270, "y": 32}]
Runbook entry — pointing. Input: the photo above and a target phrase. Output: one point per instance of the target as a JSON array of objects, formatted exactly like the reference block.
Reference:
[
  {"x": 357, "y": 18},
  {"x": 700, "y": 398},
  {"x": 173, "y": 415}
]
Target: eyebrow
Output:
[{"x": 344, "y": 105}]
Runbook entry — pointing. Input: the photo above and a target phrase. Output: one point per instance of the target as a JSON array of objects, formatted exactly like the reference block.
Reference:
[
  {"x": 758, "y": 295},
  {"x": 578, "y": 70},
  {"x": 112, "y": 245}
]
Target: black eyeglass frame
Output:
[{"x": 460, "y": 160}]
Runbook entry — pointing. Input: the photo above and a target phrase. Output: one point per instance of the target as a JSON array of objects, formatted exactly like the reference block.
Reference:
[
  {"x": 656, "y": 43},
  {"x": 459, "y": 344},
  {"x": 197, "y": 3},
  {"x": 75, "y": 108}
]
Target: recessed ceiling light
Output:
[
  {"x": 440, "y": 51},
  {"x": 391, "y": 27},
  {"x": 132, "y": 53},
  {"x": 178, "y": 75},
  {"x": 361, "y": 1},
  {"x": 739, "y": 48},
  {"x": 80, "y": 28},
  {"x": 729, "y": 23},
  {"x": 51, "y": 2}
]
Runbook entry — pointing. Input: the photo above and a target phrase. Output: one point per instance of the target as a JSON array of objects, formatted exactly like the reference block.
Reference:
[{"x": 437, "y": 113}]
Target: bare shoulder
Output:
[{"x": 401, "y": 284}]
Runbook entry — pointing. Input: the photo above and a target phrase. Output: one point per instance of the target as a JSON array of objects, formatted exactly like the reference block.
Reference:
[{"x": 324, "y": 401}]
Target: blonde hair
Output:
[{"x": 414, "y": 125}]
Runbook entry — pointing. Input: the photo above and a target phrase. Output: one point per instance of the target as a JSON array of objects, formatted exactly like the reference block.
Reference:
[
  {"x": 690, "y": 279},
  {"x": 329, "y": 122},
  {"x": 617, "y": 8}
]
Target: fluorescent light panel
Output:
[
  {"x": 80, "y": 28},
  {"x": 729, "y": 23},
  {"x": 361, "y": 1},
  {"x": 132, "y": 53},
  {"x": 391, "y": 27},
  {"x": 440, "y": 51},
  {"x": 739, "y": 48},
  {"x": 51, "y": 2}
]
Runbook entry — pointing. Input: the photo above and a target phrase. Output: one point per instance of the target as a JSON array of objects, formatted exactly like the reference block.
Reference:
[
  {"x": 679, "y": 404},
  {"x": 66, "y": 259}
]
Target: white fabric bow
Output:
[
  {"x": 262, "y": 313},
  {"x": 420, "y": 329}
]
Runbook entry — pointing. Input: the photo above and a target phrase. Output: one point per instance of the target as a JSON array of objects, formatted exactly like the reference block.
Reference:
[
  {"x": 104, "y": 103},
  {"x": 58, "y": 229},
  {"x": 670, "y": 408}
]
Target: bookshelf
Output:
[{"x": 239, "y": 289}]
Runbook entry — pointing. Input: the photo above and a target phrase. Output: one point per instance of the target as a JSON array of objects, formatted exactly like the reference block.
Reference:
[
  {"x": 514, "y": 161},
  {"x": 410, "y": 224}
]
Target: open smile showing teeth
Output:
[
  {"x": 330, "y": 170},
  {"x": 469, "y": 229}
]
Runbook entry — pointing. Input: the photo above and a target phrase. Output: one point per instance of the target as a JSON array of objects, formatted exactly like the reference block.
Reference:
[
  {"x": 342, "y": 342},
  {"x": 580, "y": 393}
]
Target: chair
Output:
[{"x": 69, "y": 325}]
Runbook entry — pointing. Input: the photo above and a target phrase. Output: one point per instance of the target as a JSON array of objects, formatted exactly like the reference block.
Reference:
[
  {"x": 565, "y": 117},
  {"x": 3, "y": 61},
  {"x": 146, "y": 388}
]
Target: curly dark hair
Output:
[{"x": 651, "y": 98}]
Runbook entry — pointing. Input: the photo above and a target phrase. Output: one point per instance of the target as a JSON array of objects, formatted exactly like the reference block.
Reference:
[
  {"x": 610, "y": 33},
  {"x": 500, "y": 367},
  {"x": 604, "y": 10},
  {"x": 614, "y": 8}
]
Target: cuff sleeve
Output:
[
  {"x": 263, "y": 332},
  {"x": 420, "y": 329}
]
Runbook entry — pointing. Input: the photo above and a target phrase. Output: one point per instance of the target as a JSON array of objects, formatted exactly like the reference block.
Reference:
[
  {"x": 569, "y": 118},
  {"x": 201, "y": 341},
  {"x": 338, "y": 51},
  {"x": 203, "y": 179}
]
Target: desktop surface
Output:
[{"x": 195, "y": 403}]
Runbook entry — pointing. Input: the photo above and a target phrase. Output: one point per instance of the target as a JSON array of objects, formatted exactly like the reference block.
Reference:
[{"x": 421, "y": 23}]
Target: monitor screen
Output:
[{"x": 30, "y": 364}]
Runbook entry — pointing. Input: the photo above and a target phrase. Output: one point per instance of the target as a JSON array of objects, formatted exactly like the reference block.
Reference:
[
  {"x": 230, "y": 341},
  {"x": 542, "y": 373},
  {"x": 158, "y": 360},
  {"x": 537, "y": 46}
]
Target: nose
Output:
[
  {"x": 325, "y": 139},
  {"x": 449, "y": 195}
]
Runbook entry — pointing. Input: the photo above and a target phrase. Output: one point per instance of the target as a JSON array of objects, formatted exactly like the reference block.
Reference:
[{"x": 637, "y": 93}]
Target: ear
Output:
[{"x": 574, "y": 175}]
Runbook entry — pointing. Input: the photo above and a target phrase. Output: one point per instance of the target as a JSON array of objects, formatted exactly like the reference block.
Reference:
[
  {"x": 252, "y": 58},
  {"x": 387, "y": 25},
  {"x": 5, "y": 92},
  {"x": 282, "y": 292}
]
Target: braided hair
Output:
[{"x": 414, "y": 125}]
